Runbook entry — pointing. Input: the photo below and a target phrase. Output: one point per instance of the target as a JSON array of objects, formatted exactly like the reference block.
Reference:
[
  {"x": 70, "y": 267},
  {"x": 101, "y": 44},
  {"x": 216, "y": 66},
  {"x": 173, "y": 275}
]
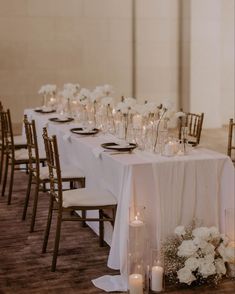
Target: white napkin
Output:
[
  {"x": 97, "y": 152},
  {"x": 110, "y": 283},
  {"x": 67, "y": 137}
]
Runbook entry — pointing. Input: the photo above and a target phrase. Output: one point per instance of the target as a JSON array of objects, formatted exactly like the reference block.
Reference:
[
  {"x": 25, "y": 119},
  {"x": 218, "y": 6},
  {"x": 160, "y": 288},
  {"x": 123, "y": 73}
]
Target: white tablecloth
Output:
[{"x": 174, "y": 190}]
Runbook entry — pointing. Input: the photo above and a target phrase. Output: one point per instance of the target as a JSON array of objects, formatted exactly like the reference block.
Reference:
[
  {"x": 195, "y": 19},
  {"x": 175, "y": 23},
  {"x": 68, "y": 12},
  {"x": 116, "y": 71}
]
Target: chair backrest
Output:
[
  {"x": 32, "y": 145},
  {"x": 53, "y": 162},
  {"x": 1, "y": 109},
  {"x": 194, "y": 123},
  {"x": 231, "y": 139},
  {"x": 7, "y": 133}
]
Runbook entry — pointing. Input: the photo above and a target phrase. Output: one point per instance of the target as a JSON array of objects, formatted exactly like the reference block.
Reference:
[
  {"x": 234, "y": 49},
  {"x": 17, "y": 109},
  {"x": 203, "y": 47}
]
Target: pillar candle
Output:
[
  {"x": 136, "y": 284},
  {"x": 157, "y": 278}
]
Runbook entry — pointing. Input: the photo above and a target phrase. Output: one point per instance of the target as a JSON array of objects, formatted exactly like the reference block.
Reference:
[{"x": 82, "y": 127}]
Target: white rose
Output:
[
  {"x": 151, "y": 107},
  {"x": 130, "y": 101},
  {"x": 122, "y": 107},
  {"x": 187, "y": 248},
  {"x": 225, "y": 239},
  {"x": 107, "y": 101},
  {"x": 220, "y": 266},
  {"x": 192, "y": 263},
  {"x": 209, "y": 257},
  {"x": 180, "y": 231},
  {"x": 200, "y": 243},
  {"x": 202, "y": 233},
  {"x": 208, "y": 249},
  {"x": 167, "y": 104},
  {"x": 229, "y": 254},
  {"x": 214, "y": 232},
  {"x": 185, "y": 276},
  {"x": 108, "y": 90},
  {"x": 206, "y": 267},
  {"x": 180, "y": 114}
]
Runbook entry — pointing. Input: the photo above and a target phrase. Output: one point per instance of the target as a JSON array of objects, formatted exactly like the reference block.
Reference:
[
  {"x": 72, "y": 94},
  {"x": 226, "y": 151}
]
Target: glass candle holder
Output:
[
  {"x": 230, "y": 224},
  {"x": 157, "y": 281},
  {"x": 137, "y": 257},
  {"x": 136, "y": 274}
]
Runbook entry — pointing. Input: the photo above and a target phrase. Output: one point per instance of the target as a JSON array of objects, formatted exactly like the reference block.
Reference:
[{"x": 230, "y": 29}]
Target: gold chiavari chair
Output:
[
  {"x": 14, "y": 157},
  {"x": 194, "y": 124},
  {"x": 82, "y": 199},
  {"x": 231, "y": 140},
  {"x": 19, "y": 142},
  {"x": 40, "y": 175}
]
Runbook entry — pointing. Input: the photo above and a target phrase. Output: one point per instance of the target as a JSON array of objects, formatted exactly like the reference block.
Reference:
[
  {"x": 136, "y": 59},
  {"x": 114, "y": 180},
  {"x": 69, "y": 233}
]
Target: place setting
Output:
[{"x": 61, "y": 119}]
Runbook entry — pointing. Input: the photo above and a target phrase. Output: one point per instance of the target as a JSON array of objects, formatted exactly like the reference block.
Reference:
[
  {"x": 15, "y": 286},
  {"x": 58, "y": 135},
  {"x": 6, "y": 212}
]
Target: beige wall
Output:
[
  {"x": 90, "y": 42},
  {"x": 157, "y": 42},
  {"x": 59, "y": 41},
  {"x": 210, "y": 51}
]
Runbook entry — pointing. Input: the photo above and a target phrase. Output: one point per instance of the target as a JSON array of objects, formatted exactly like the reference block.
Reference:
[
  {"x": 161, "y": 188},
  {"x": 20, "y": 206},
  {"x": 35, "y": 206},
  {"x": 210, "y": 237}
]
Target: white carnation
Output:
[
  {"x": 206, "y": 267},
  {"x": 202, "y": 233},
  {"x": 192, "y": 263},
  {"x": 220, "y": 266},
  {"x": 180, "y": 231},
  {"x": 187, "y": 248},
  {"x": 185, "y": 276}
]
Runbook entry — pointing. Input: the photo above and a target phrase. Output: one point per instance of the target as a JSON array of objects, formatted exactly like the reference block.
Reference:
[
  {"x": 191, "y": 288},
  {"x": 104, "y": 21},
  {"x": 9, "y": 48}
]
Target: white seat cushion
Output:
[
  {"x": 88, "y": 197},
  {"x": 21, "y": 154},
  {"x": 66, "y": 172},
  {"x": 19, "y": 140}
]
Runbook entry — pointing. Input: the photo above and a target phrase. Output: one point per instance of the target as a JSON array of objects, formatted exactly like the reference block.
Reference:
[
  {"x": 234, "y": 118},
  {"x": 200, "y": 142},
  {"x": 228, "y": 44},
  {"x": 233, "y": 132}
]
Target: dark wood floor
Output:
[{"x": 23, "y": 269}]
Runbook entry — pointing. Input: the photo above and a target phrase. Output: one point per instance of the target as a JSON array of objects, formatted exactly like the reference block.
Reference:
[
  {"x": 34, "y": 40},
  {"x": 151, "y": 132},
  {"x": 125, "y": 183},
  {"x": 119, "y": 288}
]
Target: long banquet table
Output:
[{"x": 174, "y": 190}]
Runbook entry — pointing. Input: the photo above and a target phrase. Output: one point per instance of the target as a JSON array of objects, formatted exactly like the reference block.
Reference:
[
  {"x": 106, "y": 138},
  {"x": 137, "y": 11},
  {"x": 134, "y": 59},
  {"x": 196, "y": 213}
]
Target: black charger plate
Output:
[
  {"x": 84, "y": 131},
  {"x": 117, "y": 147}
]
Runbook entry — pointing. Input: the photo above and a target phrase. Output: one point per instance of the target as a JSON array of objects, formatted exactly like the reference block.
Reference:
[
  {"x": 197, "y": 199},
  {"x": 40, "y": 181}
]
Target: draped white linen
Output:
[{"x": 174, "y": 190}]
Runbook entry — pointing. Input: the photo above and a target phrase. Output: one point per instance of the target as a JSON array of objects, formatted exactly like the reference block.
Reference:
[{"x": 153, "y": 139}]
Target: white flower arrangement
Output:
[
  {"x": 84, "y": 96},
  {"x": 72, "y": 87},
  {"x": 196, "y": 256},
  {"x": 127, "y": 106},
  {"x": 47, "y": 89}
]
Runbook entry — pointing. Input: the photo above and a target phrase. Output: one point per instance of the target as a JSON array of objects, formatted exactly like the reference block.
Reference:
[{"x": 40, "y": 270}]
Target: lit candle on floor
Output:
[
  {"x": 136, "y": 284},
  {"x": 157, "y": 278}
]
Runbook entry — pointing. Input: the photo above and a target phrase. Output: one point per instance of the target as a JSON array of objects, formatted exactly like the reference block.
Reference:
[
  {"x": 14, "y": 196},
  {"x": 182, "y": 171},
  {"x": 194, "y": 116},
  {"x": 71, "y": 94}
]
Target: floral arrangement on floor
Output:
[{"x": 196, "y": 256}]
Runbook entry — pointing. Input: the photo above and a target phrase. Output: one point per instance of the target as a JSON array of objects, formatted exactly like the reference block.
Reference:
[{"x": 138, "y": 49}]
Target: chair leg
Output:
[
  {"x": 27, "y": 196},
  {"x": 57, "y": 241},
  {"x": 35, "y": 204},
  {"x": 71, "y": 183},
  {"x": 47, "y": 231},
  {"x": 101, "y": 228},
  {"x": 11, "y": 182},
  {"x": 1, "y": 164},
  {"x": 84, "y": 216},
  {"x": 5, "y": 175}
]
